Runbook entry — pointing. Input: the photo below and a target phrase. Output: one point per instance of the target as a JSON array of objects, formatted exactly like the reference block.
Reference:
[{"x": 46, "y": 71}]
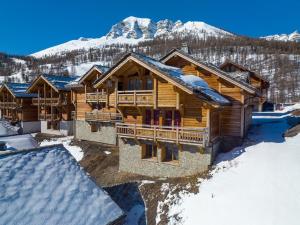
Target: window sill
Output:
[
  {"x": 154, "y": 160},
  {"x": 172, "y": 163}
]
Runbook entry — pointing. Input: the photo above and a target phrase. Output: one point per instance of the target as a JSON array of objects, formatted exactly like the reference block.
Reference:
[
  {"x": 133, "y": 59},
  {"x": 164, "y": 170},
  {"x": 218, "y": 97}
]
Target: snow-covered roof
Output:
[
  {"x": 176, "y": 75},
  {"x": 214, "y": 68},
  {"x": 47, "y": 186},
  {"x": 60, "y": 82},
  {"x": 19, "y": 90},
  {"x": 240, "y": 75},
  {"x": 195, "y": 83}
]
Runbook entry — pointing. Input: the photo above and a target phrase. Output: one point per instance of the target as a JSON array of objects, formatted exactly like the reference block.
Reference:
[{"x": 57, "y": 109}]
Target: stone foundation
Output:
[
  {"x": 30, "y": 127},
  {"x": 65, "y": 128},
  {"x": 104, "y": 132},
  {"x": 192, "y": 160}
]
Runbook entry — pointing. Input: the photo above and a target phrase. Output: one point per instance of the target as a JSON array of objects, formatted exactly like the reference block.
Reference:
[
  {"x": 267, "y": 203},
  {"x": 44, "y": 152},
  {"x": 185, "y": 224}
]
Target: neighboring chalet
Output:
[
  {"x": 92, "y": 118},
  {"x": 170, "y": 121},
  {"x": 16, "y": 107},
  {"x": 54, "y": 103},
  {"x": 239, "y": 87},
  {"x": 251, "y": 77}
]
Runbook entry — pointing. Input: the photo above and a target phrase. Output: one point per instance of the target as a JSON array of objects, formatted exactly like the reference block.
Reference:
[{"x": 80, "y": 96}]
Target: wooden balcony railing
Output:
[
  {"x": 48, "y": 101},
  {"x": 181, "y": 135},
  {"x": 103, "y": 117},
  {"x": 96, "y": 97},
  {"x": 9, "y": 105},
  {"x": 49, "y": 117},
  {"x": 137, "y": 97}
]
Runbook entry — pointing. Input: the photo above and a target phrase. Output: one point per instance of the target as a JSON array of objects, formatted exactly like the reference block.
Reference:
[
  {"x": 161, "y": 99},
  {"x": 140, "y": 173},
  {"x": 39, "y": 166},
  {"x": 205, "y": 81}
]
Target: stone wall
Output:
[
  {"x": 66, "y": 128},
  {"x": 105, "y": 132},
  {"x": 192, "y": 160},
  {"x": 30, "y": 127}
]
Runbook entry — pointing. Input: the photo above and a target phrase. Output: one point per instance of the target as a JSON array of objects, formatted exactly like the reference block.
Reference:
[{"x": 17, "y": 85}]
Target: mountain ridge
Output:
[{"x": 133, "y": 30}]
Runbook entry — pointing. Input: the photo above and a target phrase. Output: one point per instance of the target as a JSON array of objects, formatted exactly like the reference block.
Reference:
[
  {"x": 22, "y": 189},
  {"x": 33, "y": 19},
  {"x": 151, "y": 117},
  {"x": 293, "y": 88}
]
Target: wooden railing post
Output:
[
  {"x": 134, "y": 97},
  {"x": 177, "y": 135}
]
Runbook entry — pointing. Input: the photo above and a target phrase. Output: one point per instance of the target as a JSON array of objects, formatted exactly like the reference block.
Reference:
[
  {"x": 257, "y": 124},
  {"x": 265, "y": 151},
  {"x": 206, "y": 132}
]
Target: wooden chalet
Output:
[
  {"x": 251, "y": 77},
  {"x": 54, "y": 103},
  {"x": 170, "y": 121},
  {"x": 92, "y": 118},
  {"x": 15, "y": 105},
  {"x": 244, "y": 94}
]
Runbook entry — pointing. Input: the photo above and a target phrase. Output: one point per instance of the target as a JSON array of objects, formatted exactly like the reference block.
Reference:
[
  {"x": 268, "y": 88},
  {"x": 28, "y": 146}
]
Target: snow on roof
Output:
[
  {"x": 212, "y": 67},
  {"x": 198, "y": 85},
  {"x": 240, "y": 75},
  {"x": 60, "y": 81},
  {"x": 19, "y": 90},
  {"x": 47, "y": 186},
  {"x": 103, "y": 69}
]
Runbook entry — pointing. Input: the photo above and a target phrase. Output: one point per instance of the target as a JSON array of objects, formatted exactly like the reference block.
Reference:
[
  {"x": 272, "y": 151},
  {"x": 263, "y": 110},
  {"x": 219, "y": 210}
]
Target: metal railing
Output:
[
  {"x": 103, "y": 117},
  {"x": 182, "y": 135}
]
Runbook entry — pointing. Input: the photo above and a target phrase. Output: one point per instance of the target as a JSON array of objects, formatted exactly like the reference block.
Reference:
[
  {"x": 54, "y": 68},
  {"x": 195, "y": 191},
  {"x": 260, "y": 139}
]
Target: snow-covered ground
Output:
[
  {"x": 19, "y": 142},
  {"x": 257, "y": 184},
  {"x": 75, "y": 151},
  {"x": 47, "y": 186}
]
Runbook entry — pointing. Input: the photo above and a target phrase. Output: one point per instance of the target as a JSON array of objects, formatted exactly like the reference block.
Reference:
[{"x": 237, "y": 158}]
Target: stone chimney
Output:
[{"x": 185, "y": 48}]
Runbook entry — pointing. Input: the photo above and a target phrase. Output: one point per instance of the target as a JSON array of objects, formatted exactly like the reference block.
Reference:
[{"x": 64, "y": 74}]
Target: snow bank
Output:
[
  {"x": 19, "y": 142},
  {"x": 252, "y": 185},
  {"x": 75, "y": 151},
  {"x": 47, "y": 186}
]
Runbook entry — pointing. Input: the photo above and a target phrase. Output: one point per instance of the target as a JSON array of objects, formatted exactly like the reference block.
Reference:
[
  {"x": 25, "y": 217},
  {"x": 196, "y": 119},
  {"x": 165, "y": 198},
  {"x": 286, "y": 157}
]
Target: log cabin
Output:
[
  {"x": 168, "y": 122},
  {"x": 90, "y": 125},
  {"x": 54, "y": 103},
  {"x": 252, "y": 77},
  {"x": 236, "y": 86},
  {"x": 16, "y": 108}
]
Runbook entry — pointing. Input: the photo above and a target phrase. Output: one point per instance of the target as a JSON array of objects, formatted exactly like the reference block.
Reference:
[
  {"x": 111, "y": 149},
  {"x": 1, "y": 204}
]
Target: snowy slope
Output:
[
  {"x": 133, "y": 30},
  {"x": 48, "y": 186},
  {"x": 295, "y": 36},
  {"x": 257, "y": 185}
]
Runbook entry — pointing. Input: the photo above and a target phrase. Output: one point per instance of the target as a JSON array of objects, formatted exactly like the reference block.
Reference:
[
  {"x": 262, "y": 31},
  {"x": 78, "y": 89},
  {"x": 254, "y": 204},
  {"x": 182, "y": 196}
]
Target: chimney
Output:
[{"x": 185, "y": 48}]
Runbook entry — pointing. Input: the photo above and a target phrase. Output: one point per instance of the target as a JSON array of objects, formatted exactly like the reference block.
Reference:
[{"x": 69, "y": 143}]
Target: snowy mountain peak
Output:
[
  {"x": 295, "y": 36},
  {"x": 133, "y": 30}
]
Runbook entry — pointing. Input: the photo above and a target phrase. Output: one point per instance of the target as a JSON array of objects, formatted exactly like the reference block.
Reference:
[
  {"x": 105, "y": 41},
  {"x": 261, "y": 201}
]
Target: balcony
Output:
[
  {"x": 48, "y": 101},
  {"x": 103, "y": 117},
  {"x": 96, "y": 97},
  {"x": 8, "y": 105},
  {"x": 49, "y": 117},
  {"x": 136, "y": 98},
  {"x": 179, "y": 135}
]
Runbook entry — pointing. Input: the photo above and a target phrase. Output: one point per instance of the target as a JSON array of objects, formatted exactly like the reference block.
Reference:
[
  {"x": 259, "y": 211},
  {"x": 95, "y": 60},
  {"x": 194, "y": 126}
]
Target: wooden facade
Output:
[
  {"x": 155, "y": 108},
  {"x": 15, "y": 104},
  {"x": 53, "y": 99},
  {"x": 233, "y": 120}
]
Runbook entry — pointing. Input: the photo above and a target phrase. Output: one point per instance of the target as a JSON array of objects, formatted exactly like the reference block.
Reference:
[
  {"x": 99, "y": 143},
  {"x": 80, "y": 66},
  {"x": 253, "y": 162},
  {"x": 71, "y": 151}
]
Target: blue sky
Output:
[{"x": 28, "y": 26}]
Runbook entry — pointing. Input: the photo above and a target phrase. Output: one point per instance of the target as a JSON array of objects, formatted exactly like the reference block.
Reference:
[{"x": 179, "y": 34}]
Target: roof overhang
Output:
[
  {"x": 175, "y": 52},
  {"x": 88, "y": 73},
  {"x": 4, "y": 86},
  {"x": 129, "y": 58},
  {"x": 36, "y": 80}
]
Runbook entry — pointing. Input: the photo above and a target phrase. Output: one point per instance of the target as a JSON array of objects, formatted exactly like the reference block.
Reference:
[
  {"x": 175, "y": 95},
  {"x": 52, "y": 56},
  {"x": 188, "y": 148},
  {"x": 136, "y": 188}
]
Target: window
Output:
[
  {"x": 150, "y": 151},
  {"x": 171, "y": 154},
  {"x": 134, "y": 83},
  {"x": 93, "y": 127},
  {"x": 149, "y": 84},
  {"x": 177, "y": 118}
]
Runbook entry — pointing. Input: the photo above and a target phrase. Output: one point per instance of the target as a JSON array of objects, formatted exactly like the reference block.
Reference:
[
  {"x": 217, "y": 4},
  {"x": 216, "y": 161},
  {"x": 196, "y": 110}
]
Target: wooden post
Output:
[
  {"x": 208, "y": 124},
  {"x": 242, "y": 115},
  {"x": 97, "y": 92},
  {"x": 177, "y": 100},
  {"x": 154, "y": 93},
  {"x": 85, "y": 91},
  {"x": 51, "y": 93},
  {"x": 134, "y": 97},
  {"x": 107, "y": 98},
  {"x": 116, "y": 92}
]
